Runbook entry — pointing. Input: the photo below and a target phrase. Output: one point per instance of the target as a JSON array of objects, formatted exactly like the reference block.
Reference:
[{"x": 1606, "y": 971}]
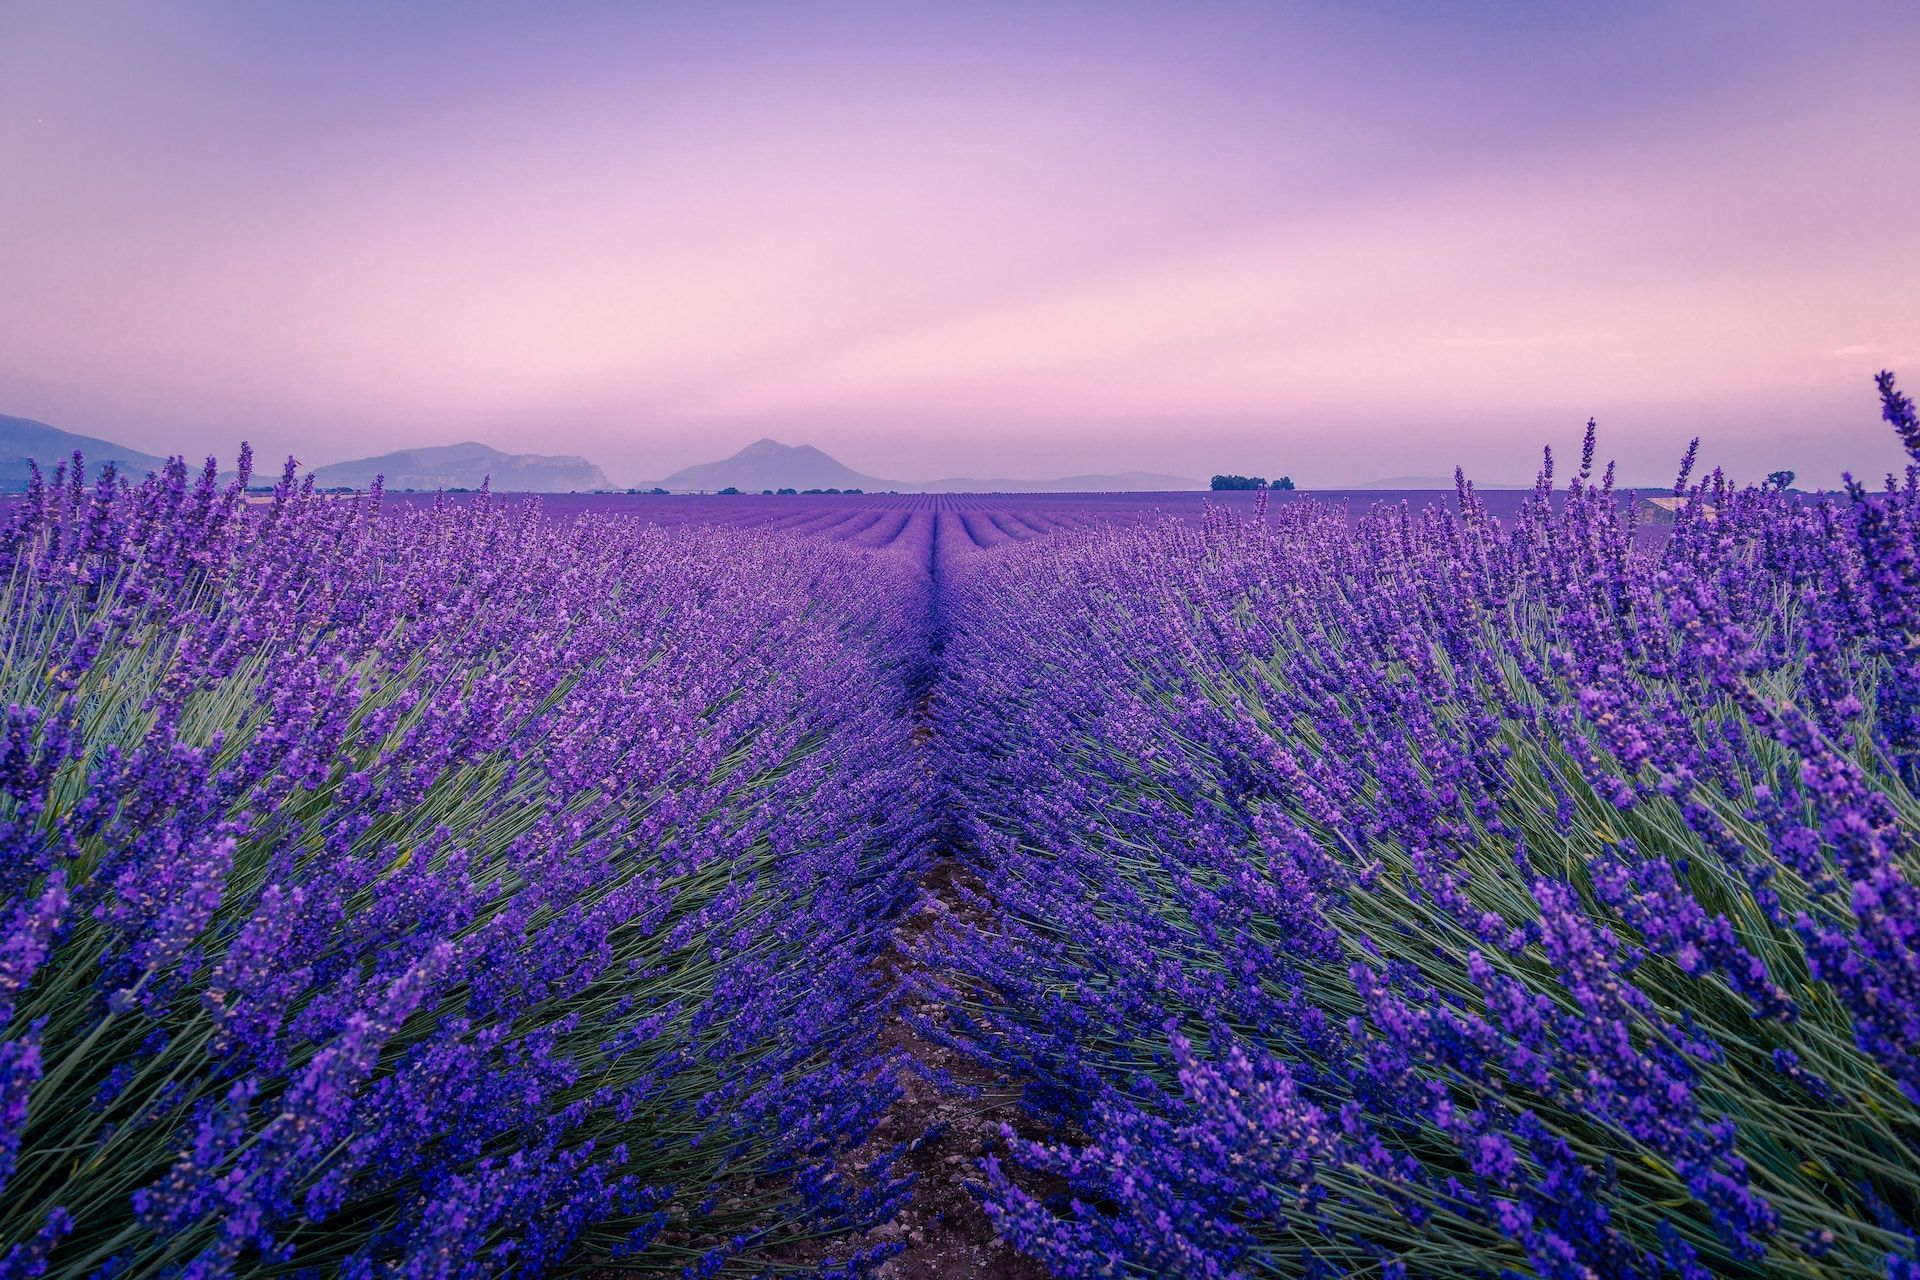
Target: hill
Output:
[
  {"x": 466, "y": 466},
  {"x": 768, "y": 464},
  {"x": 22, "y": 439}
]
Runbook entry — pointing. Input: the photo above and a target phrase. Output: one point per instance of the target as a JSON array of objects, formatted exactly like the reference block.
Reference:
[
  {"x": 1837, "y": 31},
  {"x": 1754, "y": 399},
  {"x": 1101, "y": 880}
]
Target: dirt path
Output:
[{"x": 946, "y": 1231}]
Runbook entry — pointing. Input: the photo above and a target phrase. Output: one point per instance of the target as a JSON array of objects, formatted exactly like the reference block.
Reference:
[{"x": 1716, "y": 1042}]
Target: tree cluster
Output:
[{"x": 1249, "y": 482}]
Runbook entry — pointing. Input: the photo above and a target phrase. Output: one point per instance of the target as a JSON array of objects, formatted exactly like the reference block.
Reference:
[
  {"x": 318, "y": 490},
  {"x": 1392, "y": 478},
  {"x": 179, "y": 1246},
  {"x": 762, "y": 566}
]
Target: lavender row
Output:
[
  {"x": 1437, "y": 894},
  {"x": 984, "y": 520},
  {"x": 448, "y": 892}
]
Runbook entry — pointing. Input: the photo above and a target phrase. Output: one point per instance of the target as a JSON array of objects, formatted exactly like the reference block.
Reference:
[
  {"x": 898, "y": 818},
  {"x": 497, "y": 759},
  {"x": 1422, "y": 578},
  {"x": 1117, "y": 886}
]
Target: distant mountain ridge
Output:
[
  {"x": 24, "y": 439},
  {"x": 764, "y": 464},
  {"x": 769, "y": 464},
  {"x": 466, "y": 466},
  {"x": 454, "y": 466}
]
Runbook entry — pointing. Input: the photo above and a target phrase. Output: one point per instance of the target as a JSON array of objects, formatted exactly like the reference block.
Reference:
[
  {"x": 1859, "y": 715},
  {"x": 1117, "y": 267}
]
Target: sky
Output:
[{"x": 1335, "y": 241}]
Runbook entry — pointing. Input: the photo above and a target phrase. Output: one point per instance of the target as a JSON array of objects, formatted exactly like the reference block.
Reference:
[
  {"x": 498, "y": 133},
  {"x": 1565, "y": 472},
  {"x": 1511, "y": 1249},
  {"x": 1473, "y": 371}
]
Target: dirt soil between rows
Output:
[{"x": 946, "y": 1231}]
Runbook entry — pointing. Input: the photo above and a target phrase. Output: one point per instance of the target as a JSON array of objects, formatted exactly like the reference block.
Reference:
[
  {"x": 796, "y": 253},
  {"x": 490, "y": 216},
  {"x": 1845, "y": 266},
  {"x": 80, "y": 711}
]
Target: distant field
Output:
[{"x": 984, "y": 520}]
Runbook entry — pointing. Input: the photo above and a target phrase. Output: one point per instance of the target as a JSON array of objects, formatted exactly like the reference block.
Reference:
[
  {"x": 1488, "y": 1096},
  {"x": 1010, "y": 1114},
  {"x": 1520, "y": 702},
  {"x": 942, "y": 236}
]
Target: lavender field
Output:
[{"x": 1471, "y": 885}]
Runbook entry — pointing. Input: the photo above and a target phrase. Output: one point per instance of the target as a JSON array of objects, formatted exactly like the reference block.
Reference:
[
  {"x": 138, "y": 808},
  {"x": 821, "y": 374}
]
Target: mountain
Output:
[
  {"x": 768, "y": 464},
  {"x": 764, "y": 464},
  {"x": 23, "y": 438},
  {"x": 465, "y": 466}
]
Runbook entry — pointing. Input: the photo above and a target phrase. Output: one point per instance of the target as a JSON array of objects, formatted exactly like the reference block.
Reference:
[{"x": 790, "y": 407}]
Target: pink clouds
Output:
[{"x": 940, "y": 262}]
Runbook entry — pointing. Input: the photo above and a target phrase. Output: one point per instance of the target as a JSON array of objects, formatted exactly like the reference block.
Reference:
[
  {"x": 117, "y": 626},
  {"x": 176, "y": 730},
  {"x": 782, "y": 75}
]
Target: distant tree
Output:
[
  {"x": 789, "y": 491},
  {"x": 729, "y": 490},
  {"x": 1284, "y": 482},
  {"x": 1779, "y": 479},
  {"x": 1237, "y": 482},
  {"x": 766, "y": 493},
  {"x": 853, "y": 490},
  {"x": 658, "y": 490}
]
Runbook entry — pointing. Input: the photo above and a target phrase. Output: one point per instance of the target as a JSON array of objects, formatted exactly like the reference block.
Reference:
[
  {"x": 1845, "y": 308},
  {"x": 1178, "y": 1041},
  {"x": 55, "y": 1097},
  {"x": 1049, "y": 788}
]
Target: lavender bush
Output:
[
  {"x": 1441, "y": 895},
  {"x": 446, "y": 893},
  {"x": 458, "y": 890}
]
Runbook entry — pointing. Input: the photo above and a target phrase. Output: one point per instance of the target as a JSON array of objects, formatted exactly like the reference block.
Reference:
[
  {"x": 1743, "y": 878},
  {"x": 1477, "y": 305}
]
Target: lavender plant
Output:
[
  {"x": 447, "y": 893},
  {"x": 463, "y": 891},
  {"x": 1426, "y": 893}
]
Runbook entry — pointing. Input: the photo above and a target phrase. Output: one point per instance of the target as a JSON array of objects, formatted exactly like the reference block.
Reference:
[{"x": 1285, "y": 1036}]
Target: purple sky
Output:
[{"x": 1339, "y": 241}]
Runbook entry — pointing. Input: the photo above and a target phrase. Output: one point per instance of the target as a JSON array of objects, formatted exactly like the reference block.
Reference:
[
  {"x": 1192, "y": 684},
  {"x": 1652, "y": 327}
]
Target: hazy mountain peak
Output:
[
  {"x": 769, "y": 464},
  {"x": 22, "y": 439},
  {"x": 466, "y": 466}
]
